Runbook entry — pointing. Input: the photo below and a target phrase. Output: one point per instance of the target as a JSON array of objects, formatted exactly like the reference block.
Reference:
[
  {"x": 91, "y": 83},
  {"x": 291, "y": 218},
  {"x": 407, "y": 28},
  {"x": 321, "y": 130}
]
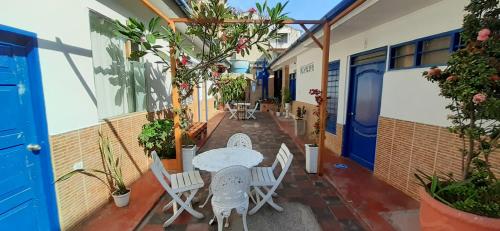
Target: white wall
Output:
[
  {"x": 65, "y": 55},
  {"x": 406, "y": 94}
]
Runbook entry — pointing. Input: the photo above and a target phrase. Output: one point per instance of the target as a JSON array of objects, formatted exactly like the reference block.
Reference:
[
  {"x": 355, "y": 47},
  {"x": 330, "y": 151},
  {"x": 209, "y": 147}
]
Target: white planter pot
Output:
[
  {"x": 278, "y": 114},
  {"x": 122, "y": 200},
  {"x": 188, "y": 153},
  {"x": 311, "y": 158},
  {"x": 300, "y": 127},
  {"x": 287, "y": 109}
]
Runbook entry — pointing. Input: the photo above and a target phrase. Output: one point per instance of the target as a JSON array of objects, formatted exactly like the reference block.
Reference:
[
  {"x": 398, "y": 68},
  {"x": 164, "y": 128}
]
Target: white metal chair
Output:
[
  {"x": 180, "y": 184},
  {"x": 239, "y": 140},
  {"x": 233, "y": 111},
  {"x": 230, "y": 187},
  {"x": 263, "y": 177},
  {"x": 251, "y": 112}
]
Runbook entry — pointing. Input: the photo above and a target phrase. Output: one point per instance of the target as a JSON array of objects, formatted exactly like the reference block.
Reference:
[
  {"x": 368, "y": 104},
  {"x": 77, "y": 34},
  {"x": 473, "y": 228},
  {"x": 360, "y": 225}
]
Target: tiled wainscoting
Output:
[
  {"x": 80, "y": 196},
  {"x": 332, "y": 141},
  {"x": 404, "y": 146}
]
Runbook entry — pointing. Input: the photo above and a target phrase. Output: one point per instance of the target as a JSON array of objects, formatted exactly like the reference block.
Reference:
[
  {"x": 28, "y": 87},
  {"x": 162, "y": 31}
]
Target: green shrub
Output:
[{"x": 158, "y": 136}]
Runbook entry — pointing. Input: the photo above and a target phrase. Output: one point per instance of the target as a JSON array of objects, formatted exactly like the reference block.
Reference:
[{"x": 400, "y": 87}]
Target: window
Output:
[
  {"x": 119, "y": 84},
  {"x": 332, "y": 96},
  {"x": 430, "y": 51}
]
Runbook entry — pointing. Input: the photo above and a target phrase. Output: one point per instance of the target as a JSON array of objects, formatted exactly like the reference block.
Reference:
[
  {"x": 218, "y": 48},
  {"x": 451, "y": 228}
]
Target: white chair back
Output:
[
  {"x": 284, "y": 158},
  {"x": 239, "y": 140},
  {"x": 230, "y": 186},
  {"x": 160, "y": 172},
  {"x": 256, "y": 106}
]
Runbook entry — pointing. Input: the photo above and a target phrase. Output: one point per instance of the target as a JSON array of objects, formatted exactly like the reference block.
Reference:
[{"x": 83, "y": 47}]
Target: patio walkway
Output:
[{"x": 309, "y": 192}]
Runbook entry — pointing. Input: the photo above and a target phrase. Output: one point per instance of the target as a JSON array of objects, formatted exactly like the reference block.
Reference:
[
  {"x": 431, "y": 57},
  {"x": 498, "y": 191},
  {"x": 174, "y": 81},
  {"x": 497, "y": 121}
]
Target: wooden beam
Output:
[
  {"x": 176, "y": 104},
  {"x": 312, "y": 36},
  {"x": 324, "y": 83},
  {"x": 157, "y": 11},
  {"x": 245, "y": 21},
  {"x": 346, "y": 11}
]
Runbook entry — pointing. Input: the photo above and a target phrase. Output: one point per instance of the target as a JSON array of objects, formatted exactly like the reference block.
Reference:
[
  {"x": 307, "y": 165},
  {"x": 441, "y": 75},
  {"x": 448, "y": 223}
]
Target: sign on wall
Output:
[{"x": 307, "y": 68}]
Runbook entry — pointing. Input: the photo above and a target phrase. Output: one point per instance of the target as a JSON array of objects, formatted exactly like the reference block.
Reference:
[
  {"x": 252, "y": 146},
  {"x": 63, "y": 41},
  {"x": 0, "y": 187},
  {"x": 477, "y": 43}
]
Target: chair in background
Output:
[
  {"x": 185, "y": 183},
  {"x": 230, "y": 188},
  {"x": 239, "y": 140},
  {"x": 232, "y": 111},
  {"x": 263, "y": 178},
  {"x": 251, "y": 112}
]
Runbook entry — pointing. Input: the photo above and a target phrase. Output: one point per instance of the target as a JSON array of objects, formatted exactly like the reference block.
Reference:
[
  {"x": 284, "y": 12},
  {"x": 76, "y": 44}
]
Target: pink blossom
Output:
[
  {"x": 143, "y": 39},
  {"x": 241, "y": 45},
  {"x": 451, "y": 78},
  {"x": 252, "y": 10},
  {"x": 483, "y": 34},
  {"x": 434, "y": 71},
  {"x": 494, "y": 78},
  {"x": 216, "y": 74},
  {"x": 479, "y": 98},
  {"x": 184, "y": 86},
  {"x": 184, "y": 60}
]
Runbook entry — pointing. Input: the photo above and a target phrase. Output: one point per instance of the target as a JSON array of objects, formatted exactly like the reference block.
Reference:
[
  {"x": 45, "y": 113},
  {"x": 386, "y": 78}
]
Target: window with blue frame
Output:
[
  {"x": 425, "y": 52},
  {"x": 292, "y": 86},
  {"x": 332, "y": 96}
]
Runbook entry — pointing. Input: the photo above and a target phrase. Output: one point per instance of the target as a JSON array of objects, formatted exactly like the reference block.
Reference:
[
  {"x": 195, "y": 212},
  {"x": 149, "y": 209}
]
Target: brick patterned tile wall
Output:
[
  {"x": 332, "y": 141},
  {"x": 404, "y": 146},
  {"x": 79, "y": 197}
]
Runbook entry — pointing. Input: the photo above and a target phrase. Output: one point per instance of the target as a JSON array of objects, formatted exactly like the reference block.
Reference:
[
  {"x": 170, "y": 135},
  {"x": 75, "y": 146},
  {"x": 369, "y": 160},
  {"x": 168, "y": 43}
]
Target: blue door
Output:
[
  {"x": 26, "y": 188},
  {"x": 365, "y": 91}
]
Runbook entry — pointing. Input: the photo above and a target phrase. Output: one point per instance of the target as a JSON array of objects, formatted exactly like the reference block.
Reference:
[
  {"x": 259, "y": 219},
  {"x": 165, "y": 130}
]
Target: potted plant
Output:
[
  {"x": 111, "y": 175},
  {"x": 300, "y": 122},
  {"x": 287, "y": 98},
  {"x": 158, "y": 135},
  {"x": 312, "y": 149},
  {"x": 471, "y": 83},
  {"x": 277, "y": 107}
]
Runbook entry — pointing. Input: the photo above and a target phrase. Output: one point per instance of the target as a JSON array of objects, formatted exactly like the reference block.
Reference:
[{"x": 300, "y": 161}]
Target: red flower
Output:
[
  {"x": 241, "y": 45},
  {"x": 252, "y": 10},
  {"x": 216, "y": 74},
  {"x": 494, "y": 78},
  {"x": 451, "y": 78},
  {"x": 184, "y": 60},
  {"x": 479, "y": 98},
  {"x": 184, "y": 86},
  {"x": 483, "y": 34}
]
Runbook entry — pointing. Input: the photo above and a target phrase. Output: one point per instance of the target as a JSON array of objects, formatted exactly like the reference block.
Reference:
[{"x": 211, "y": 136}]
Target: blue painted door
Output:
[
  {"x": 365, "y": 93},
  {"x": 23, "y": 202}
]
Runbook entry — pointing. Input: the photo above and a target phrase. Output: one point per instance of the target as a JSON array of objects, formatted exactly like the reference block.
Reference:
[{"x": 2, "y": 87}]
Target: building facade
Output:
[
  {"x": 78, "y": 81},
  {"x": 381, "y": 112}
]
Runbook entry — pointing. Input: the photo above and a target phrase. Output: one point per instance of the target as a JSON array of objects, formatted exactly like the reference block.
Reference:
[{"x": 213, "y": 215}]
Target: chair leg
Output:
[
  {"x": 220, "y": 221},
  {"x": 244, "y": 217},
  {"x": 266, "y": 198},
  {"x": 168, "y": 206}
]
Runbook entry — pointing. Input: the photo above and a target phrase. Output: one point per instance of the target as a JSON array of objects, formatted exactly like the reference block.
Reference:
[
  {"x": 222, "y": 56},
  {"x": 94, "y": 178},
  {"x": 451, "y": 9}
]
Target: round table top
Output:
[{"x": 220, "y": 158}]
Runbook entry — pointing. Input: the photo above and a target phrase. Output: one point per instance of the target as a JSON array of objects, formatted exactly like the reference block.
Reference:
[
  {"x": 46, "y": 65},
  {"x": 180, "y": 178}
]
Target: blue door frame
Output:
[
  {"x": 47, "y": 196},
  {"x": 347, "y": 136}
]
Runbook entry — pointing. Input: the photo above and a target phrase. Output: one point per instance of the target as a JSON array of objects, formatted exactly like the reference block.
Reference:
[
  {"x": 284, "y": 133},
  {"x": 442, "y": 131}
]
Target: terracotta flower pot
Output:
[{"x": 437, "y": 216}]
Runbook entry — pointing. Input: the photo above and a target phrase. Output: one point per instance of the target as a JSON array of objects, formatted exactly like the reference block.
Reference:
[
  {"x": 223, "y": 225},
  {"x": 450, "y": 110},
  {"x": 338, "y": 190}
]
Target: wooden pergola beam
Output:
[
  {"x": 312, "y": 36},
  {"x": 324, "y": 83},
  {"x": 346, "y": 11}
]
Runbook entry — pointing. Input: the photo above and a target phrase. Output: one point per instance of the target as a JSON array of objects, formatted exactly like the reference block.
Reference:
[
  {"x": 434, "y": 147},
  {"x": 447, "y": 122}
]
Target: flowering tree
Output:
[
  {"x": 317, "y": 96},
  {"x": 220, "y": 40},
  {"x": 472, "y": 84}
]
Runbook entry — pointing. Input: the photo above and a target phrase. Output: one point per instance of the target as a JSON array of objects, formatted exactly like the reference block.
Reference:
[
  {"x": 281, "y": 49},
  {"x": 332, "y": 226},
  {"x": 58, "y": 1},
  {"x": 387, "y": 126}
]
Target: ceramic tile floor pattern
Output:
[{"x": 298, "y": 186}]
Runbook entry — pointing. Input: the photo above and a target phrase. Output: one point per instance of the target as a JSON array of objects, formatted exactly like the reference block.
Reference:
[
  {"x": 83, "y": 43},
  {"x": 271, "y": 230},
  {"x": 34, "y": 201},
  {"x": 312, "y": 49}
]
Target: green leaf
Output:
[{"x": 151, "y": 38}]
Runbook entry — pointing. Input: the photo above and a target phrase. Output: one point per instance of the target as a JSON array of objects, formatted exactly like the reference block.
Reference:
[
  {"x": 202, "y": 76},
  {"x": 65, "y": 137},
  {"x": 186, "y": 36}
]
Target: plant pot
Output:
[
  {"x": 311, "y": 158},
  {"x": 287, "y": 106},
  {"x": 300, "y": 127},
  {"x": 121, "y": 200},
  {"x": 278, "y": 114},
  {"x": 437, "y": 216},
  {"x": 188, "y": 153},
  {"x": 170, "y": 164}
]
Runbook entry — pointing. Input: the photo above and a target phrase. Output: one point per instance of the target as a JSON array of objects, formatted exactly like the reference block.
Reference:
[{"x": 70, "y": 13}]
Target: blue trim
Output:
[
  {"x": 30, "y": 41},
  {"x": 454, "y": 45}
]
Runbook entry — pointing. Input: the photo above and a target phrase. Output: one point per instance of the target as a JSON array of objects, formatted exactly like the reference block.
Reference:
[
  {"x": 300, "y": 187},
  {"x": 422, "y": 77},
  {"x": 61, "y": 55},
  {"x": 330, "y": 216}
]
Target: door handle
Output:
[
  {"x": 34, "y": 147},
  {"x": 351, "y": 114}
]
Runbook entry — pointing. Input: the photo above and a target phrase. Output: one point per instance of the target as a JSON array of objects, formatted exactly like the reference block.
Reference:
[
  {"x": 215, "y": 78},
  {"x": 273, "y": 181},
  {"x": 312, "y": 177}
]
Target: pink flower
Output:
[
  {"x": 434, "y": 71},
  {"x": 143, "y": 39},
  {"x": 184, "y": 60},
  {"x": 451, "y": 78},
  {"x": 184, "y": 86},
  {"x": 216, "y": 74},
  {"x": 252, "y": 10},
  {"x": 479, "y": 98},
  {"x": 483, "y": 34},
  {"x": 241, "y": 45},
  {"x": 494, "y": 78}
]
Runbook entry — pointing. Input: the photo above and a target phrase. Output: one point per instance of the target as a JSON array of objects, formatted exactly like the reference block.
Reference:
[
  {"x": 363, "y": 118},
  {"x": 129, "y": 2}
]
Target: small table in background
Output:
[{"x": 242, "y": 110}]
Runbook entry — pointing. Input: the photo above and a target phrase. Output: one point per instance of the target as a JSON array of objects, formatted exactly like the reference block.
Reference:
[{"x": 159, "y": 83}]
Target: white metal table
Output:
[{"x": 216, "y": 159}]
